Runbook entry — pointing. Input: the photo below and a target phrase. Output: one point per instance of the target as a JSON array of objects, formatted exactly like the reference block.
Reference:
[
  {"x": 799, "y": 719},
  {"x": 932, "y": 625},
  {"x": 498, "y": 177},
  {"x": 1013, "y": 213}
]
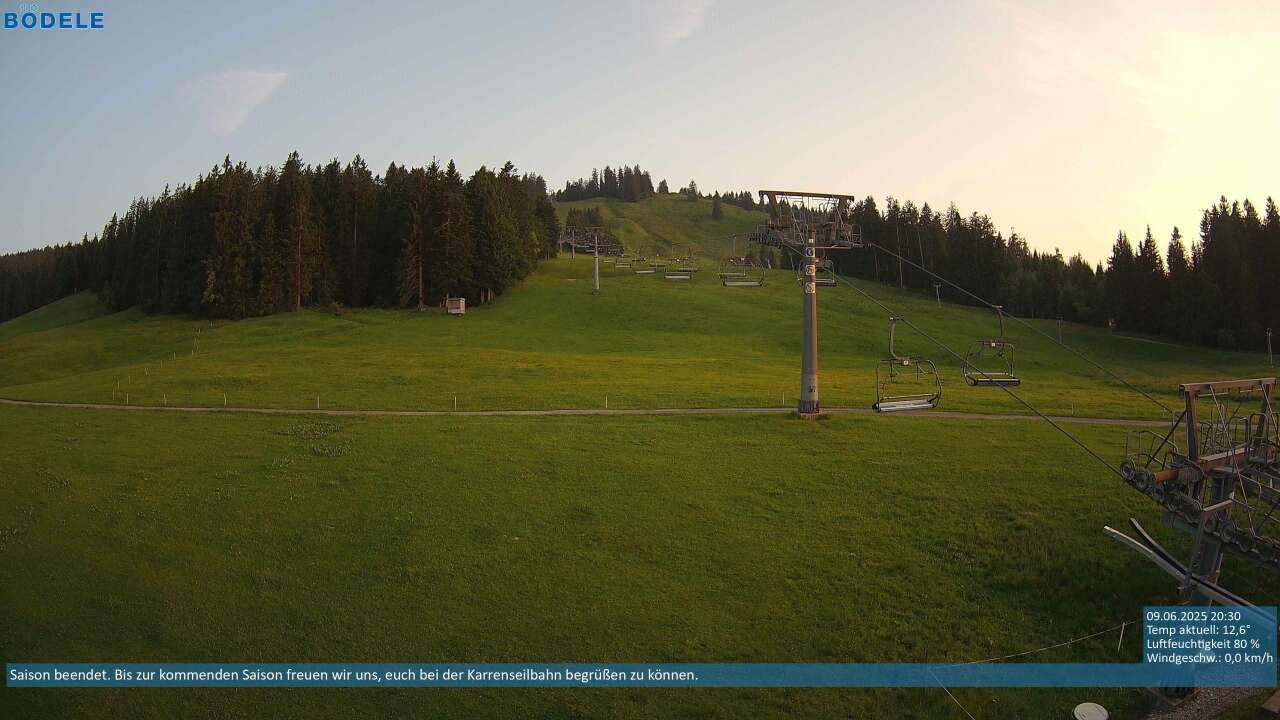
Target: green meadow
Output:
[
  {"x": 171, "y": 537},
  {"x": 644, "y": 342}
]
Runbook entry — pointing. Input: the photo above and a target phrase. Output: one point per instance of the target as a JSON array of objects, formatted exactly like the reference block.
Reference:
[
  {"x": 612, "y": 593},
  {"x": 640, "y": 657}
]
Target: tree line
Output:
[
  {"x": 241, "y": 242},
  {"x": 630, "y": 184},
  {"x": 1213, "y": 292}
]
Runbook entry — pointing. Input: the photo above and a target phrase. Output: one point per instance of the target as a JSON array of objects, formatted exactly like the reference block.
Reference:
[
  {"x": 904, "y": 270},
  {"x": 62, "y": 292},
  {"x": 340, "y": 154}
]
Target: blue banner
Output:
[{"x": 1182, "y": 647}]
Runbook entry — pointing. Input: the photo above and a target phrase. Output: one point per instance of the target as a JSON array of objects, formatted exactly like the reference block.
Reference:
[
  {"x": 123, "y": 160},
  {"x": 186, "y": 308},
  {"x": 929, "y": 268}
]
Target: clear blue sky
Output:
[{"x": 1068, "y": 124}]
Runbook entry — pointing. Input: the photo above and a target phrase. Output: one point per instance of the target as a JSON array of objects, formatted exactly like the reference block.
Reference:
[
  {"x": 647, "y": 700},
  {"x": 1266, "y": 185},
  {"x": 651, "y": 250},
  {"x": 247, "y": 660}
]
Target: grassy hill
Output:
[
  {"x": 186, "y": 537},
  {"x": 665, "y": 222},
  {"x": 643, "y": 342},
  {"x": 67, "y": 311}
]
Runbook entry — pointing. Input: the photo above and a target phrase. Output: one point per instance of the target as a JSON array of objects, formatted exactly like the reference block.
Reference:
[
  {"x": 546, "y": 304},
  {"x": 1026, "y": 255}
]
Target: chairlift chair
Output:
[
  {"x": 823, "y": 276},
  {"x": 727, "y": 269},
  {"x": 644, "y": 271},
  {"x": 678, "y": 276},
  {"x": 996, "y": 354},
  {"x": 904, "y": 382},
  {"x": 742, "y": 280}
]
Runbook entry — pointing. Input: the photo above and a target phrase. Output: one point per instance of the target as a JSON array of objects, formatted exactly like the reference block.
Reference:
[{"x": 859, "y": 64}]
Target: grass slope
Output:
[
  {"x": 166, "y": 538},
  {"x": 67, "y": 311},
  {"x": 644, "y": 342},
  {"x": 666, "y": 222}
]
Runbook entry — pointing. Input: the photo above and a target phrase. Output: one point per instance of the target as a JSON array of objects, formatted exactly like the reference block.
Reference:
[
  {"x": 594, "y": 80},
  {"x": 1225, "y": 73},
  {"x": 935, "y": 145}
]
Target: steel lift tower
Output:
[
  {"x": 807, "y": 223},
  {"x": 597, "y": 240}
]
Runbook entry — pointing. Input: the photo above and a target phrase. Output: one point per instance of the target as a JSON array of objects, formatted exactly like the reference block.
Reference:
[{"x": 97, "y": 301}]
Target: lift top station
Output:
[{"x": 807, "y": 223}]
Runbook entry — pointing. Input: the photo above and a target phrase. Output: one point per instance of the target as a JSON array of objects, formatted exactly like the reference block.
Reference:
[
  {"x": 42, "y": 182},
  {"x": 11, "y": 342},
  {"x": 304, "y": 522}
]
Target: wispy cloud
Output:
[
  {"x": 675, "y": 20},
  {"x": 223, "y": 101}
]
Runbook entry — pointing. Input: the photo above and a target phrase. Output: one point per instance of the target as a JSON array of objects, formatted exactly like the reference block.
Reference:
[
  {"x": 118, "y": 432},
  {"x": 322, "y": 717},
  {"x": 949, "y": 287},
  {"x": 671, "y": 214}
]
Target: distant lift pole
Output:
[
  {"x": 596, "y": 240},
  {"x": 806, "y": 223}
]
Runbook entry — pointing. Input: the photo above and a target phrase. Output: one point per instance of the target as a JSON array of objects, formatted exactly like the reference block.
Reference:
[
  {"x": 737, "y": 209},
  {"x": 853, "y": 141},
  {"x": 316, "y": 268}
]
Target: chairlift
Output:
[
  {"x": 623, "y": 264},
  {"x": 996, "y": 354},
  {"x": 742, "y": 280},
  {"x": 729, "y": 269},
  {"x": 824, "y": 275},
  {"x": 904, "y": 382},
  {"x": 644, "y": 271},
  {"x": 678, "y": 276}
]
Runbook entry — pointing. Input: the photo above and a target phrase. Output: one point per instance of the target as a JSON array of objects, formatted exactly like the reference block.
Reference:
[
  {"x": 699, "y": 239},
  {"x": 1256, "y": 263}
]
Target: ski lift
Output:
[
  {"x": 678, "y": 276},
  {"x": 742, "y": 280},
  {"x": 824, "y": 275},
  {"x": 623, "y": 264},
  {"x": 644, "y": 271},
  {"x": 729, "y": 269},
  {"x": 904, "y": 382},
  {"x": 996, "y": 354}
]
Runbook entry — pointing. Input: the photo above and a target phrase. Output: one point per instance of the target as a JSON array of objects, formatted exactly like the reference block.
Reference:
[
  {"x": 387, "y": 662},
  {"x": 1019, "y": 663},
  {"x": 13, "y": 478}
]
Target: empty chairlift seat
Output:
[
  {"x": 742, "y": 280},
  {"x": 989, "y": 363},
  {"x": 904, "y": 382}
]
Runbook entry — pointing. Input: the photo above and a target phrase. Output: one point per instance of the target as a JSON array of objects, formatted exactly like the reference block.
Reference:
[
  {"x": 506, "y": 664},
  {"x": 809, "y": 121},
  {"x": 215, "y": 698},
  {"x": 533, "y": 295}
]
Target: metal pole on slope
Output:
[
  {"x": 937, "y": 293},
  {"x": 1271, "y": 359},
  {"x": 809, "y": 406},
  {"x": 596, "y": 290}
]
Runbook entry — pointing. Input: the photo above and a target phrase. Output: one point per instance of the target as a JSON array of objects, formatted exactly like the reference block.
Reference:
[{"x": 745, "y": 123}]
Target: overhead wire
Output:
[
  {"x": 1032, "y": 327},
  {"x": 977, "y": 370}
]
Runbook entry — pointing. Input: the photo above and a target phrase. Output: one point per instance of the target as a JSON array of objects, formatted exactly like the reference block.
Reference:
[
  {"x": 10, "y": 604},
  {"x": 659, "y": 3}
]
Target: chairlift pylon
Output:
[
  {"x": 995, "y": 354},
  {"x": 904, "y": 382}
]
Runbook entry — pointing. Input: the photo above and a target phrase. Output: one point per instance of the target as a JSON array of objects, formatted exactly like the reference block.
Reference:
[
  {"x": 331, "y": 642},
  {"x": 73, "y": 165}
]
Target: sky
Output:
[{"x": 1065, "y": 121}]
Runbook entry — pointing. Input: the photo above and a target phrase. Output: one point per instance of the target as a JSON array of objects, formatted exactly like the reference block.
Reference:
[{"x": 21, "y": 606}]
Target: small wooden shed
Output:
[{"x": 456, "y": 305}]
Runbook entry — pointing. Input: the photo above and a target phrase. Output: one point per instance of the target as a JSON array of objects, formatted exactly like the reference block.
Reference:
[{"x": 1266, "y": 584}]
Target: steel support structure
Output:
[{"x": 806, "y": 223}]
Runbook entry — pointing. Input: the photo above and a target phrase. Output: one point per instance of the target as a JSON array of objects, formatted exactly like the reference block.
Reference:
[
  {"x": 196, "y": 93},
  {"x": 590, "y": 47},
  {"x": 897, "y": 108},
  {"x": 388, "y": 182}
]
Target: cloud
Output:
[
  {"x": 223, "y": 101},
  {"x": 677, "y": 20}
]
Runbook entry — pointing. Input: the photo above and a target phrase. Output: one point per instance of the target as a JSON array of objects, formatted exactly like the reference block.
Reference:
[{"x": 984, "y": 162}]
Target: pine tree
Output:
[
  {"x": 494, "y": 231},
  {"x": 413, "y": 257},
  {"x": 294, "y": 211},
  {"x": 452, "y": 273},
  {"x": 228, "y": 288}
]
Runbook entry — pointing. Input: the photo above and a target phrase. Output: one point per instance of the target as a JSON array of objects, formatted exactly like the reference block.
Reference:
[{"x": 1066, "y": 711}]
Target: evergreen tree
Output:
[{"x": 306, "y": 256}]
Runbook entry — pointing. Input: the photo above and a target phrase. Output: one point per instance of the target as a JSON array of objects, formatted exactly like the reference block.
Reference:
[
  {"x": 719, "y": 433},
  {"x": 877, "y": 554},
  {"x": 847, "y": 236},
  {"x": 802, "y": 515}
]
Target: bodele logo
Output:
[{"x": 30, "y": 17}]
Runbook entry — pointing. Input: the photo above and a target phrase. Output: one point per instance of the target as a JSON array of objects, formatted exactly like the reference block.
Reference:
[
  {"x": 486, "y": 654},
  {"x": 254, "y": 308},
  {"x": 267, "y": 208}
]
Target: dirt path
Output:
[{"x": 945, "y": 414}]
